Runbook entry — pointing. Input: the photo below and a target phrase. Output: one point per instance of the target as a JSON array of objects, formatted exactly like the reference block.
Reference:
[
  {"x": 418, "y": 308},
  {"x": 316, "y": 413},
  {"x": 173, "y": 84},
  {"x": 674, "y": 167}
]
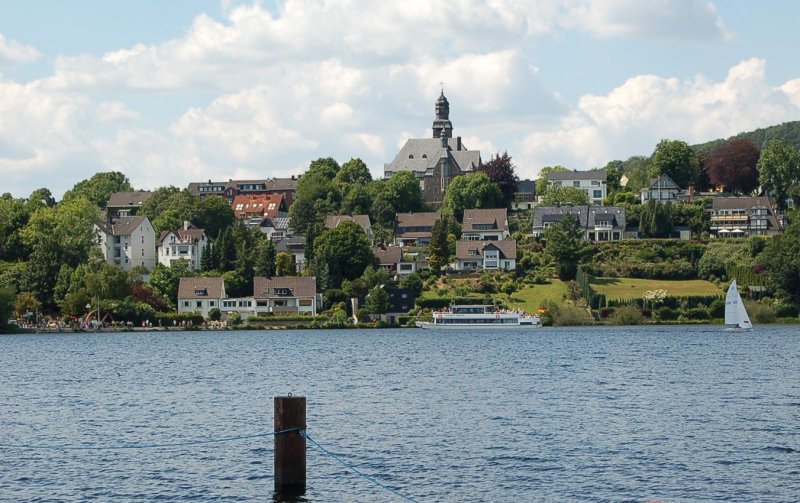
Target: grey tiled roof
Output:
[
  {"x": 201, "y": 288},
  {"x": 588, "y": 216},
  {"x": 131, "y": 199},
  {"x": 184, "y": 235},
  {"x": 121, "y": 226},
  {"x": 664, "y": 182},
  {"x": 419, "y": 155},
  {"x": 578, "y": 175},
  {"x": 291, "y": 245},
  {"x": 298, "y": 286},
  {"x": 507, "y": 247}
]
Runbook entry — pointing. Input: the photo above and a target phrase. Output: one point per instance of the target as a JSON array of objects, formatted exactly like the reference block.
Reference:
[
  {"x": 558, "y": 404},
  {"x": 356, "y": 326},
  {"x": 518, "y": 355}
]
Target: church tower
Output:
[{"x": 442, "y": 122}]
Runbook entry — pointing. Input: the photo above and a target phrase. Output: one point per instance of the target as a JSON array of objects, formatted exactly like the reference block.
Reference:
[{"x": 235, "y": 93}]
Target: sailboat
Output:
[{"x": 735, "y": 313}]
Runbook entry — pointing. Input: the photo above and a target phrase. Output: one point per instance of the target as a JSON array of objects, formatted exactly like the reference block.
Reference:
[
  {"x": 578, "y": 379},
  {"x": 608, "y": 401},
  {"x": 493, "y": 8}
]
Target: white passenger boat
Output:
[{"x": 480, "y": 316}]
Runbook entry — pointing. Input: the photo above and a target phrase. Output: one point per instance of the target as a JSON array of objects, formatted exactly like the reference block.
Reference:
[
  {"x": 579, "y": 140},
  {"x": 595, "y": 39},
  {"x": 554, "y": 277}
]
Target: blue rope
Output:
[
  {"x": 356, "y": 470},
  {"x": 147, "y": 446}
]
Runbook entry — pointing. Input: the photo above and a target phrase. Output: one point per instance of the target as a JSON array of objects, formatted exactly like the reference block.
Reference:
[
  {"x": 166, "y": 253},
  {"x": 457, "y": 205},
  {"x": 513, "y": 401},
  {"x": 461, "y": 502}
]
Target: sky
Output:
[{"x": 171, "y": 92}]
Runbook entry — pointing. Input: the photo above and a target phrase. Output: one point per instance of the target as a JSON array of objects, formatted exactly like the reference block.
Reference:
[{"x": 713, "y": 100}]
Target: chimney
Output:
[
  {"x": 458, "y": 143},
  {"x": 186, "y": 225}
]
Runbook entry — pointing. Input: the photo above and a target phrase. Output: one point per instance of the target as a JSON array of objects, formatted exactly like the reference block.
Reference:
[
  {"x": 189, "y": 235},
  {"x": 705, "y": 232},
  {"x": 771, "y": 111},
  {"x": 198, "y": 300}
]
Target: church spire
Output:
[{"x": 442, "y": 122}]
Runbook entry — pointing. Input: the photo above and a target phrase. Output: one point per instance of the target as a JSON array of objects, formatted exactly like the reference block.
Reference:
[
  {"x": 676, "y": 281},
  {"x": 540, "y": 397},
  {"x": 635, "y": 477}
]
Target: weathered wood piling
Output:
[{"x": 290, "y": 447}]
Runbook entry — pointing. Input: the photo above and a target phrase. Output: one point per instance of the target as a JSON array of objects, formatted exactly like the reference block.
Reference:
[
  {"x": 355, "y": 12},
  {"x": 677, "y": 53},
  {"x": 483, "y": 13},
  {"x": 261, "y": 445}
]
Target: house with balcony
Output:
[
  {"x": 200, "y": 295},
  {"x": 286, "y": 295},
  {"x": 295, "y": 247},
  {"x": 598, "y": 223},
  {"x": 486, "y": 255},
  {"x": 525, "y": 196},
  {"x": 286, "y": 187},
  {"x": 276, "y": 229},
  {"x": 414, "y": 229},
  {"x": 485, "y": 224},
  {"x": 594, "y": 183},
  {"x": 205, "y": 189},
  {"x": 745, "y": 216},
  {"x": 661, "y": 189},
  {"x": 333, "y": 221},
  {"x": 186, "y": 243},
  {"x": 127, "y": 241},
  {"x": 394, "y": 260}
]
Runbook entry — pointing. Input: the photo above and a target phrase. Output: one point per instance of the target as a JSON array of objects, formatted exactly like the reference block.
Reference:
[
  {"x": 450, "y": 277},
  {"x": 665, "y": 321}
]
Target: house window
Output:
[
  {"x": 305, "y": 302},
  {"x": 201, "y": 292},
  {"x": 185, "y": 303},
  {"x": 199, "y": 304},
  {"x": 576, "y": 184},
  {"x": 598, "y": 194},
  {"x": 213, "y": 303}
]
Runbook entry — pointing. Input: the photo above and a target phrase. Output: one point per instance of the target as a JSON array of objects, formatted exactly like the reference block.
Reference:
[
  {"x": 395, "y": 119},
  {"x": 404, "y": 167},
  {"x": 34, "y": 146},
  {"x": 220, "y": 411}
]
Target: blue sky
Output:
[{"x": 175, "y": 91}]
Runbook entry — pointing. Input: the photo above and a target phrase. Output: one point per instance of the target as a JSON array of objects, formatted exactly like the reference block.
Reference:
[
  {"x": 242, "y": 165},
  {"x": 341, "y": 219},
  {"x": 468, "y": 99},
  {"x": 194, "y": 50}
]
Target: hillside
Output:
[{"x": 788, "y": 131}]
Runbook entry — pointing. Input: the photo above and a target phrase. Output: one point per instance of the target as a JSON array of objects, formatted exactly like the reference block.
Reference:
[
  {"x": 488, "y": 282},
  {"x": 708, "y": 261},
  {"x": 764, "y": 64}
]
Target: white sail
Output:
[{"x": 735, "y": 313}]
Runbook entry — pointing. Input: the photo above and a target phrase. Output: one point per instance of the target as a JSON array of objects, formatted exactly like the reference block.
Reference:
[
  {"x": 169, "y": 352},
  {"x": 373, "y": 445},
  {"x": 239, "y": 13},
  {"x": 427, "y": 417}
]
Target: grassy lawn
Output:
[
  {"x": 626, "y": 288},
  {"x": 531, "y": 298}
]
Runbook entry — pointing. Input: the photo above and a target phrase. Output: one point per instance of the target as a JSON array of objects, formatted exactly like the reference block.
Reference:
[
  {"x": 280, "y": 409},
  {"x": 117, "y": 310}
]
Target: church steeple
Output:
[{"x": 442, "y": 122}]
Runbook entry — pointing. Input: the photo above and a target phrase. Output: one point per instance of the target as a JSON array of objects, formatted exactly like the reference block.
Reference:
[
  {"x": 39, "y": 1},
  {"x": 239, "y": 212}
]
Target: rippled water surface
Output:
[{"x": 670, "y": 413}]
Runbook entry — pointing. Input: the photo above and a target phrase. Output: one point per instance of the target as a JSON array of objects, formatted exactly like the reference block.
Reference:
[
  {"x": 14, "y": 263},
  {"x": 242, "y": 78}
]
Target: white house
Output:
[
  {"x": 127, "y": 242},
  {"x": 485, "y": 224},
  {"x": 661, "y": 189},
  {"x": 200, "y": 295},
  {"x": 286, "y": 294},
  {"x": 182, "y": 244},
  {"x": 594, "y": 183},
  {"x": 487, "y": 255}
]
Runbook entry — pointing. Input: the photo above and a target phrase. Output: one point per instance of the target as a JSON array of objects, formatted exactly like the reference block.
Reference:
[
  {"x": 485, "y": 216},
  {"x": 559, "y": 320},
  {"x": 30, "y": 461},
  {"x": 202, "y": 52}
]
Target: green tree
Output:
[
  {"x": 352, "y": 172},
  {"x": 780, "y": 258},
  {"x": 265, "y": 259},
  {"x": 566, "y": 245},
  {"x": 165, "y": 280},
  {"x": 168, "y": 207},
  {"x": 557, "y": 196},
  {"x": 325, "y": 166},
  {"x": 377, "y": 301},
  {"x": 225, "y": 250},
  {"x": 14, "y": 216},
  {"x": 99, "y": 188},
  {"x": 474, "y": 190},
  {"x": 656, "y": 220},
  {"x": 414, "y": 282},
  {"x": 347, "y": 251},
  {"x": 6, "y": 305},
  {"x": 614, "y": 171},
  {"x": 676, "y": 159},
  {"x": 26, "y": 302},
  {"x": 284, "y": 264},
  {"x": 438, "y": 250},
  {"x": 779, "y": 170},
  {"x": 214, "y": 214},
  {"x": 500, "y": 170},
  {"x": 315, "y": 198},
  {"x": 40, "y": 198}
]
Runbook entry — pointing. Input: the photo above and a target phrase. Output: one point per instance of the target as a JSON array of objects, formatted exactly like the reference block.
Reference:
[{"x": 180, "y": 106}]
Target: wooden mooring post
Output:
[{"x": 290, "y": 448}]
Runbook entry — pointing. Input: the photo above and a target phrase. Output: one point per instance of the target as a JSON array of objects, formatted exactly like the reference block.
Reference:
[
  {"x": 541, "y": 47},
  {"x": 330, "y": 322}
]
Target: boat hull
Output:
[{"x": 475, "y": 326}]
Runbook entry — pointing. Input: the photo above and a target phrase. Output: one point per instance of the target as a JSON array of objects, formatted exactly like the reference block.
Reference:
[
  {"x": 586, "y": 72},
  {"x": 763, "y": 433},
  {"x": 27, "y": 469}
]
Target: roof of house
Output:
[
  {"x": 424, "y": 219},
  {"x": 662, "y": 182},
  {"x": 332, "y": 221},
  {"x": 495, "y": 216},
  {"x": 578, "y": 175},
  {"x": 121, "y": 226},
  {"x": 281, "y": 223},
  {"x": 526, "y": 187},
  {"x": 270, "y": 184},
  {"x": 388, "y": 255},
  {"x": 201, "y": 288},
  {"x": 507, "y": 247},
  {"x": 262, "y": 205},
  {"x": 421, "y": 154},
  {"x": 186, "y": 236},
  {"x": 130, "y": 199},
  {"x": 293, "y": 244},
  {"x": 736, "y": 203},
  {"x": 588, "y": 216},
  {"x": 294, "y": 286}
]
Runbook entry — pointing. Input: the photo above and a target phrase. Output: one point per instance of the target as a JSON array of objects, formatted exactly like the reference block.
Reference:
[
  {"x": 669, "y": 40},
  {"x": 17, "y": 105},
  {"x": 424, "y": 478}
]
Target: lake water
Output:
[{"x": 679, "y": 414}]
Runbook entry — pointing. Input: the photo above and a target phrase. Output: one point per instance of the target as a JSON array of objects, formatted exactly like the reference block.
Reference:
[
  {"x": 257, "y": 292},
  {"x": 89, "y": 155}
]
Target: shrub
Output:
[
  {"x": 627, "y": 315},
  {"x": 665, "y": 313},
  {"x": 568, "y": 315},
  {"x": 717, "y": 308},
  {"x": 214, "y": 314},
  {"x": 605, "y": 312},
  {"x": 759, "y": 312},
  {"x": 234, "y": 318},
  {"x": 696, "y": 313}
]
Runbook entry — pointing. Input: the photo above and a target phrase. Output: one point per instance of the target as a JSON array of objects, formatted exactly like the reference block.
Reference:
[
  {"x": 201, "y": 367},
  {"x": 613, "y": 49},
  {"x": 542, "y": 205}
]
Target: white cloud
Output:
[
  {"x": 12, "y": 52},
  {"x": 632, "y": 118},
  {"x": 674, "y": 20}
]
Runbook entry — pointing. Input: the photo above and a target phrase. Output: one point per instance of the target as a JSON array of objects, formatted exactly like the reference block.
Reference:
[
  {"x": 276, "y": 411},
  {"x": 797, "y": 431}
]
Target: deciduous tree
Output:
[
  {"x": 733, "y": 166},
  {"x": 474, "y": 190},
  {"x": 99, "y": 188},
  {"x": 500, "y": 170},
  {"x": 346, "y": 250},
  {"x": 779, "y": 170},
  {"x": 566, "y": 245},
  {"x": 565, "y": 196},
  {"x": 676, "y": 159}
]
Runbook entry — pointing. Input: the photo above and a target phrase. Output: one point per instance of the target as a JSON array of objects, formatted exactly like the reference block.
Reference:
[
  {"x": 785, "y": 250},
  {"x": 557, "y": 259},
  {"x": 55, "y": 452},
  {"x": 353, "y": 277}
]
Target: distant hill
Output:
[{"x": 788, "y": 131}]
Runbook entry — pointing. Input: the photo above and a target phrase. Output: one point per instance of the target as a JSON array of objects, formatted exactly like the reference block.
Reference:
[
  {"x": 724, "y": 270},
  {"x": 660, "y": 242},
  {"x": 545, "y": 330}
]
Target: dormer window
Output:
[
  {"x": 281, "y": 291},
  {"x": 410, "y": 156},
  {"x": 201, "y": 292}
]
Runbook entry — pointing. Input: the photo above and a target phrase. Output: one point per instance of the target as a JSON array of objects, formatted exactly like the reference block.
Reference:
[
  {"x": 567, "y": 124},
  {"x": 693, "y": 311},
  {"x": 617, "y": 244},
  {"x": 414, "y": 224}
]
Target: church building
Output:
[{"x": 437, "y": 160}]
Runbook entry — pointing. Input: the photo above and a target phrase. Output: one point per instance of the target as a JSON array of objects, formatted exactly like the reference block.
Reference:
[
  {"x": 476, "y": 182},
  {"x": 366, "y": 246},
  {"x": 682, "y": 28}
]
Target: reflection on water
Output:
[{"x": 677, "y": 414}]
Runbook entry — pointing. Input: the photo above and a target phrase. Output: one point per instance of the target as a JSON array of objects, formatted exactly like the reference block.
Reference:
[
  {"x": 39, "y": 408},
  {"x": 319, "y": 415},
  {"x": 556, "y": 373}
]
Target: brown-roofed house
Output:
[
  {"x": 253, "y": 208},
  {"x": 414, "y": 229},
  {"x": 286, "y": 295},
  {"x": 332, "y": 221},
  {"x": 485, "y": 224},
  {"x": 200, "y": 295},
  {"x": 745, "y": 216},
  {"x": 487, "y": 255},
  {"x": 127, "y": 241},
  {"x": 126, "y": 204}
]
